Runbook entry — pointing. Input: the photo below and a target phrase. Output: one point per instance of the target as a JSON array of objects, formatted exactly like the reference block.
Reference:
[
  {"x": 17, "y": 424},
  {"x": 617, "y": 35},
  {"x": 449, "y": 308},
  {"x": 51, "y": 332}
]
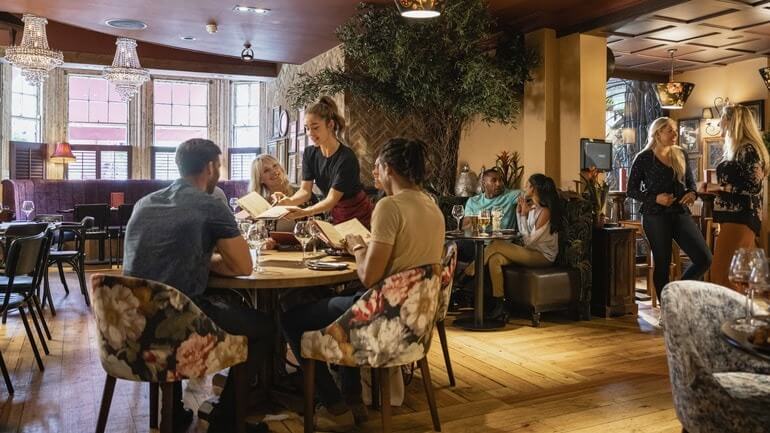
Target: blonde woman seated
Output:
[
  {"x": 539, "y": 222},
  {"x": 267, "y": 178}
]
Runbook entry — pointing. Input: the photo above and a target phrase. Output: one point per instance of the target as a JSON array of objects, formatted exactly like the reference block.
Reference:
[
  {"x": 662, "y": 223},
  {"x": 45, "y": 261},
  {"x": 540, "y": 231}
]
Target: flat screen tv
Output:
[{"x": 595, "y": 153}]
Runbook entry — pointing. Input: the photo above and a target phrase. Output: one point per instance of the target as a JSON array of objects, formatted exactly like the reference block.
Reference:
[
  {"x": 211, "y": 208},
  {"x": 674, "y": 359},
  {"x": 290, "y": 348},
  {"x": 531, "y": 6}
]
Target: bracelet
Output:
[{"x": 359, "y": 247}]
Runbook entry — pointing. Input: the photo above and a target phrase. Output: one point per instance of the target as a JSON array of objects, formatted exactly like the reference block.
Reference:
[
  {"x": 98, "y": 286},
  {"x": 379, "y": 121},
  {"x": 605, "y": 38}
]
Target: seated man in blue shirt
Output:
[
  {"x": 170, "y": 238},
  {"x": 494, "y": 194}
]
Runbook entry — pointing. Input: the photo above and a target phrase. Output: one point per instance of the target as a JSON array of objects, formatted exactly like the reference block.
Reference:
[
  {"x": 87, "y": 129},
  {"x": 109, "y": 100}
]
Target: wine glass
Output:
[
  {"x": 457, "y": 212},
  {"x": 759, "y": 283},
  {"x": 243, "y": 227},
  {"x": 234, "y": 203},
  {"x": 485, "y": 218},
  {"x": 741, "y": 265},
  {"x": 314, "y": 232},
  {"x": 257, "y": 237},
  {"x": 27, "y": 207},
  {"x": 303, "y": 235}
]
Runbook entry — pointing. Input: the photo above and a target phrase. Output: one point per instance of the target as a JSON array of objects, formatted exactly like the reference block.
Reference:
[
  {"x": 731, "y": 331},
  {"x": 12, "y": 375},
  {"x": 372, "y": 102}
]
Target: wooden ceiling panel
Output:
[
  {"x": 636, "y": 28},
  {"x": 711, "y": 56},
  {"x": 740, "y": 19},
  {"x": 633, "y": 60},
  {"x": 681, "y": 33},
  {"x": 632, "y": 45},
  {"x": 763, "y": 29},
  {"x": 662, "y": 50},
  {"x": 752, "y": 46},
  {"x": 723, "y": 39},
  {"x": 695, "y": 10}
]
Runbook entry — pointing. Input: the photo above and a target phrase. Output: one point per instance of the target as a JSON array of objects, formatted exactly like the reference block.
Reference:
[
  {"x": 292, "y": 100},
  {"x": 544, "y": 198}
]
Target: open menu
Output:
[
  {"x": 334, "y": 235},
  {"x": 259, "y": 208}
]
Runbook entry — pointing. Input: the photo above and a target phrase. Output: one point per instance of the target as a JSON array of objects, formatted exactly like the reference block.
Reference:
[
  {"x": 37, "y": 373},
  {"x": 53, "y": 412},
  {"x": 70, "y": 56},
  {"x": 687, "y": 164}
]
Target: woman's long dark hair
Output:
[
  {"x": 406, "y": 157},
  {"x": 548, "y": 197}
]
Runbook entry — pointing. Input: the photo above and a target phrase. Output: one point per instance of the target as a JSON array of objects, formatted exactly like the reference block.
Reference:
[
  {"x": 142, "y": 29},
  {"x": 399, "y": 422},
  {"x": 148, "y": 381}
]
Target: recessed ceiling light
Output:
[
  {"x": 252, "y": 9},
  {"x": 187, "y": 38},
  {"x": 126, "y": 24}
]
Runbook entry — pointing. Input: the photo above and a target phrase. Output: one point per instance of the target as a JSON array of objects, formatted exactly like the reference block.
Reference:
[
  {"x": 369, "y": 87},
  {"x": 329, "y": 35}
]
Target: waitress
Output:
[{"x": 332, "y": 166}]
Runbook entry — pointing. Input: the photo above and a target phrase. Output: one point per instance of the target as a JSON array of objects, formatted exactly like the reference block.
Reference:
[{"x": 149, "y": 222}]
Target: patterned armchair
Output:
[
  {"x": 447, "y": 275},
  {"x": 151, "y": 332},
  {"x": 716, "y": 387},
  {"x": 389, "y": 326}
]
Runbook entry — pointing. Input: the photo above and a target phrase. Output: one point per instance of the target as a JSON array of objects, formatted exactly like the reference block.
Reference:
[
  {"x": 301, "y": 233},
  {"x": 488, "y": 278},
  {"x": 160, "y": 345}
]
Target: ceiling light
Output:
[
  {"x": 247, "y": 54},
  {"x": 126, "y": 73},
  {"x": 187, "y": 38},
  {"x": 673, "y": 95},
  {"x": 33, "y": 55},
  {"x": 419, "y": 8},
  {"x": 126, "y": 24},
  {"x": 252, "y": 9}
]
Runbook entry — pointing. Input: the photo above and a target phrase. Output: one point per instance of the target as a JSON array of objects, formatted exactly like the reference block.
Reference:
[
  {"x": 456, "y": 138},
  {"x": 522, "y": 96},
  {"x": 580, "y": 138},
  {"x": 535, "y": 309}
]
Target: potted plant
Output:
[
  {"x": 511, "y": 171},
  {"x": 595, "y": 191}
]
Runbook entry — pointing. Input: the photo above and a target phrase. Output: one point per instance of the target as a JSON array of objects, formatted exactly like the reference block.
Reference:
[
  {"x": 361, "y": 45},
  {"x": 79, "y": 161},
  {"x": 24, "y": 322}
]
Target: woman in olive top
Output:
[
  {"x": 662, "y": 181},
  {"x": 332, "y": 166},
  {"x": 738, "y": 203}
]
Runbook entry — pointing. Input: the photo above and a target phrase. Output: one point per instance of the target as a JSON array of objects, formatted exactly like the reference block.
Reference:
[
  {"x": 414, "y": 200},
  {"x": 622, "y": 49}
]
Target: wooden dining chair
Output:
[
  {"x": 407, "y": 303},
  {"x": 135, "y": 319}
]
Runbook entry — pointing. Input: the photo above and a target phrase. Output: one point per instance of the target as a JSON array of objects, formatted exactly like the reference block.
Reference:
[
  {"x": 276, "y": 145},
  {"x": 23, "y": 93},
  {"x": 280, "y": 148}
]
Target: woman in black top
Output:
[
  {"x": 738, "y": 203},
  {"x": 661, "y": 180},
  {"x": 332, "y": 166}
]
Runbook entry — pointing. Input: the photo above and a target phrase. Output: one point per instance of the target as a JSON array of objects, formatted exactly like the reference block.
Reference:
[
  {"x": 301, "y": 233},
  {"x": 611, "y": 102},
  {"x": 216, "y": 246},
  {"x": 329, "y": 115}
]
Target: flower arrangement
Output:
[
  {"x": 595, "y": 191},
  {"x": 511, "y": 171}
]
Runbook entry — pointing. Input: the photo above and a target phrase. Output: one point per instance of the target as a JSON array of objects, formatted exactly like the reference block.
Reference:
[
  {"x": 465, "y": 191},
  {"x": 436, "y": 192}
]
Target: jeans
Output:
[
  {"x": 234, "y": 316},
  {"x": 314, "y": 316},
  {"x": 660, "y": 230}
]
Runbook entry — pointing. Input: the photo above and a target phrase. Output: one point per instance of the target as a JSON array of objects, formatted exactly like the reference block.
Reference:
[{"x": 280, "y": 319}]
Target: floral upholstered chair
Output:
[
  {"x": 389, "y": 326},
  {"x": 716, "y": 387},
  {"x": 447, "y": 275},
  {"x": 151, "y": 332}
]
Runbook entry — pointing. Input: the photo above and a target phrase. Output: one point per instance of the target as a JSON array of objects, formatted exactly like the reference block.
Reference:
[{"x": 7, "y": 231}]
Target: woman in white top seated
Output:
[
  {"x": 539, "y": 221},
  {"x": 268, "y": 177}
]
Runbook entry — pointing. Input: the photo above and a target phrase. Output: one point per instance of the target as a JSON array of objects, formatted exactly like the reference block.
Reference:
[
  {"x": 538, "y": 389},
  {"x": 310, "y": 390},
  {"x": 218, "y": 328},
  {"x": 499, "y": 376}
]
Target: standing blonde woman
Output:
[
  {"x": 662, "y": 181},
  {"x": 739, "y": 200}
]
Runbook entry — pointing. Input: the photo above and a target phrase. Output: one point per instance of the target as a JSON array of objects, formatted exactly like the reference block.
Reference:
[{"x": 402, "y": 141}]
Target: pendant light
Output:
[
  {"x": 765, "y": 73},
  {"x": 673, "y": 95},
  {"x": 420, "y": 9}
]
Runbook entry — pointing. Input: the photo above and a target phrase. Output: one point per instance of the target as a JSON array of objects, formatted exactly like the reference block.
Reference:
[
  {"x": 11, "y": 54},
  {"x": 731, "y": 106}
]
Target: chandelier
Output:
[
  {"x": 673, "y": 95},
  {"x": 33, "y": 55},
  {"x": 126, "y": 73},
  {"x": 419, "y": 8}
]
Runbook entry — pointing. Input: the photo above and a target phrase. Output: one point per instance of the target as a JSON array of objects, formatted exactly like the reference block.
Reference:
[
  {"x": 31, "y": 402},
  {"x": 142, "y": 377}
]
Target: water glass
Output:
[
  {"x": 497, "y": 219},
  {"x": 759, "y": 283},
  {"x": 314, "y": 232},
  {"x": 257, "y": 237},
  {"x": 457, "y": 212},
  {"x": 27, "y": 207},
  {"x": 303, "y": 235}
]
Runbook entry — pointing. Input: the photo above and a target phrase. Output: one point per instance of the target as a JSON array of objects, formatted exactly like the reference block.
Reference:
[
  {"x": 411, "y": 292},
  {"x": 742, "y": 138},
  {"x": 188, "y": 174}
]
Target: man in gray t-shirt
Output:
[{"x": 170, "y": 238}]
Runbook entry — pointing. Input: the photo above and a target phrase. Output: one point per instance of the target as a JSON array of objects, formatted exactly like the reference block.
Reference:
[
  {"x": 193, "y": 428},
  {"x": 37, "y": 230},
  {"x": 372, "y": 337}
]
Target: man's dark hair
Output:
[
  {"x": 406, "y": 157},
  {"x": 491, "y": 171},
  {"x": 193, "y": 155}
]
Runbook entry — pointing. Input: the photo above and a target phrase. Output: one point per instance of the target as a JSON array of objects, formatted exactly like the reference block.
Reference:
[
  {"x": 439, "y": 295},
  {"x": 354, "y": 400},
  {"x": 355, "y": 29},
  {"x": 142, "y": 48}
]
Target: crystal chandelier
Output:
[
  {"x": 33, "y": 55},
  {"x": 126, "y": 73}
]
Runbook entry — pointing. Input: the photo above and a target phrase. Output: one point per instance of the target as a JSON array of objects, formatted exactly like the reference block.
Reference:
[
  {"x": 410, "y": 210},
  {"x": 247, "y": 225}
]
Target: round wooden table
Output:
[{"x": 284, "y": 270}]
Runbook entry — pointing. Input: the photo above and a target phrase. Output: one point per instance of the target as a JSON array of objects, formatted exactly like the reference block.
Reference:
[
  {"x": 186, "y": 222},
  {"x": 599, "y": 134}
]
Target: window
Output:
[
  {"x": 180, "y": 113},
  {"x": 245, "y": 140},
  {"x": 100, "y": 162},
  {"x": 97, "y": 115},
  {"x": 25, "y": 109},
  {"x": 97, "y": 130}
]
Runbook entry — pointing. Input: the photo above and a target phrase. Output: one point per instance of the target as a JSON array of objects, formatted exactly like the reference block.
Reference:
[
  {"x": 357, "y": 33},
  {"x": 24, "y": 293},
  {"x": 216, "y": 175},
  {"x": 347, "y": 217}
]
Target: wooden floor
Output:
[{"x": 596, "y": 376}]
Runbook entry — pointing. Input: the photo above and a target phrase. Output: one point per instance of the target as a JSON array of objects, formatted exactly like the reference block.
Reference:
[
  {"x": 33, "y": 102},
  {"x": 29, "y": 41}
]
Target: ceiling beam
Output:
[{"x": 632, "y": 11}]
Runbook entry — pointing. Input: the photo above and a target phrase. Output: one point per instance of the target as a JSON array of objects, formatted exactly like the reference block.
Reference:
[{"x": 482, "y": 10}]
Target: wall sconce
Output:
[
  {"x": 707, "y": 113},
  {"x": 765, "y": 73}
]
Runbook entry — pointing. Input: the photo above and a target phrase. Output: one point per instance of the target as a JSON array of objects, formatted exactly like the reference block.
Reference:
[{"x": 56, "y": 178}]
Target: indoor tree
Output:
[{"x": 442, "y": 72}]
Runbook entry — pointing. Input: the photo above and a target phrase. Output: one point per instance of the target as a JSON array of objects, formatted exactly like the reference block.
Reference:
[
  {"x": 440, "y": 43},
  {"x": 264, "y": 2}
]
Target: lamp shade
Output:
[
  {"x": 63, "y": 154},
  {"x": 673, "y": 95},
  {"x": 765, "y": 73},
  {"x": 419, "y": 8},
  {"x": 707, "y": 113}
]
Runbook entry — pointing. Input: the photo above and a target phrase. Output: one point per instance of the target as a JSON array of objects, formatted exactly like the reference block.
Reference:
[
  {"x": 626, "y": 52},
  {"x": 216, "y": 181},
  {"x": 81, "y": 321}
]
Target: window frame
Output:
[
  {"x": 234, "y": 107},
  {"x": 154, "y": 124},
  {"x": 239, "y": 150},
  {"x": 155, "y": 150},
  {"x": 69, "y": 122},
  {"x": 99, "y": 148}
]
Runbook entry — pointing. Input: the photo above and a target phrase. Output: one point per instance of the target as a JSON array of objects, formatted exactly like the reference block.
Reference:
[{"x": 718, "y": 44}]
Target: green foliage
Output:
[{"x": 443, "y": 71}]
